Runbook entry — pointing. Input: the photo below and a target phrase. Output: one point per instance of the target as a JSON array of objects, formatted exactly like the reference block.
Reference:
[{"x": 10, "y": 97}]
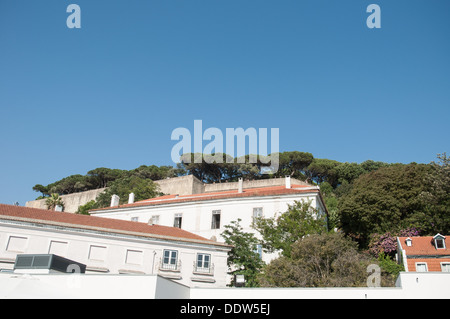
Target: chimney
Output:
[
  {"x": 115, "y": 200},
  {"x": 131, "y": 198},
  {"x": 288, "y": 181},
  {"x": 240, "y": 185}
]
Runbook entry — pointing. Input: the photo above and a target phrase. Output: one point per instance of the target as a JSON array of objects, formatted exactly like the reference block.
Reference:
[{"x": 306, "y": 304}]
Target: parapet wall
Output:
[
  {"x": 71, "y": 201},
  {"x": 183, "y": 185}
]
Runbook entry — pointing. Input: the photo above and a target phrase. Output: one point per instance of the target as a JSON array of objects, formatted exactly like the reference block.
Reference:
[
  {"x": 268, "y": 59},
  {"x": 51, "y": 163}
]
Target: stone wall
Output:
[
  {"x": 183, "y": 185},
  {"x": 71, "y": 201}
]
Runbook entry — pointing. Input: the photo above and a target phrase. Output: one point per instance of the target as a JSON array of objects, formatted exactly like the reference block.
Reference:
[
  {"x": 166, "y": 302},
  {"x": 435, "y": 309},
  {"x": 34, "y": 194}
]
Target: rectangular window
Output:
[
  {"x": 215, "y": 221},
  {"x": 134, "y": 257},
  {"x": 134, "y": 219},
  {"x": 177, "y": 220},
  {"x": 203, "y": 262},
  {"x": 16, "y": 244},
  {"x": 440, "y": 243},
  {"x": 58, "y": 248},
  {"x": 97, "y": 253},
  {"x": 445, "y": 267},
  {"x": 421, "y": 267},
  {"x": 257, "y": 212},
  {"x": 170, "y": 259}
]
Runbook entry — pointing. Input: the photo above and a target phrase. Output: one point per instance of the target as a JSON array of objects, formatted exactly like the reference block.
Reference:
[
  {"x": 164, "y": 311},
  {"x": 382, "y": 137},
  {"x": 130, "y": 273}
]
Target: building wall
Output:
[
  {"x": 183, "y": 185},
  {"x": 433, "y": 264},
  {"x": 409, "y": 286},
  {"x": 197, "y": 216},
  {"x": 111, "y": 253}
]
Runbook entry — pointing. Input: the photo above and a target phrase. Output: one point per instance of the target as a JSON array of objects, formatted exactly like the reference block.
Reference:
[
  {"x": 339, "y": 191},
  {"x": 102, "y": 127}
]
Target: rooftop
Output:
[
  {"x": 250, "y": 192},
  {"x": 424, "y": 246},
  {"x": 70, "y": 220}
]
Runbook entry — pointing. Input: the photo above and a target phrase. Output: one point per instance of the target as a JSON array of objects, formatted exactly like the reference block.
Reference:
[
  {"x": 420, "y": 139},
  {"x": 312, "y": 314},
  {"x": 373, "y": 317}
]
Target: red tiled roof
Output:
[
  {"x": 250, "y": 192},
  {"x": 40, "y": 216},
  {"x": 424, "y": 246}
]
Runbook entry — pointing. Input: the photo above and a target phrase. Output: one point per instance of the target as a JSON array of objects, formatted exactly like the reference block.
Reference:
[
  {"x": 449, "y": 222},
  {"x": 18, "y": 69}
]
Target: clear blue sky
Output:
[{"x": 110, "y": 94}]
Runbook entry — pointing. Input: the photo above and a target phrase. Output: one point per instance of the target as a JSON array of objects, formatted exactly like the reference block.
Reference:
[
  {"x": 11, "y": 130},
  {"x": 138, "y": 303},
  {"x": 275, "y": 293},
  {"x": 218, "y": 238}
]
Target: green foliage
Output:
[
  {"x": 242, "y": 258},
  {"x": 387, "y": 199},
  {"x": 297, "y": 222},
  {"x": 436, "y": 198},
  {"x": 84, "y": 209},
  {"x": 53, "y": 201},
  {"x": 319, "y": 260},
  {"x": 103, "y": 177},
  {"x": 389, "y": 266},
  {"x": 141, "y": 187}
]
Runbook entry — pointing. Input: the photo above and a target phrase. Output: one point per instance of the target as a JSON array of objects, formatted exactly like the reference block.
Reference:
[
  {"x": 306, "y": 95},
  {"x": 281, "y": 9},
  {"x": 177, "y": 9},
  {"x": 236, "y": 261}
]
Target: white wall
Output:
[
  {"x": 104, "y": 253},
  {"x": 409, "y": 286},
  {"x": 197, "y": 216},
  {"x": 75, "y": 286}
]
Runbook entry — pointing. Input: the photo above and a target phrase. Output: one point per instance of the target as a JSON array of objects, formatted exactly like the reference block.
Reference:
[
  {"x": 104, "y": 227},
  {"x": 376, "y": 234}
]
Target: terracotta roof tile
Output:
[
  {"x": 41, "y": 216},
  {"x": 424, "y": 245}
]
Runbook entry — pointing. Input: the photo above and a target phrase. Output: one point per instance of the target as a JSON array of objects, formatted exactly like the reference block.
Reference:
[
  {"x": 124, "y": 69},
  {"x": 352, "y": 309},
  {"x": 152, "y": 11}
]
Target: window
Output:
[
  {"x": 134, "y": 257},
  {"x": 257, "y": 212},
  {"x": 258, "y": 250},
  {"x": 134, "y": 219},
  {"x": 203, "y": 263},
  {"x": 408, "y": 242},
  {"x": 58, "y": 248},
  {"x": 97, "y": 253},
  {"x": 421, "y": 267},
  {"x": 17, "y": 244},
  {"x": 177, "y": 220},
  {"x": 440, "y": 243},
  {"x": 445, "y": 267},
  {"x": 170, "y": 259},
  {"x": 215, "y": 222}
]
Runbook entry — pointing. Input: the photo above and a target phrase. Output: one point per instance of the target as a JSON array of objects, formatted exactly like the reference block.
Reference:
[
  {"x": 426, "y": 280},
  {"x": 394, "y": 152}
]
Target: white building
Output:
[
  {"x": 206, "y": 214},
  {"x": 109, "y": 246}
]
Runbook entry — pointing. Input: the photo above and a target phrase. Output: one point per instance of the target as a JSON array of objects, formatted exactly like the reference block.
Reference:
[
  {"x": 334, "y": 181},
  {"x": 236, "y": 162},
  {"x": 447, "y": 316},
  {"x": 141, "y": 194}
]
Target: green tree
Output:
[
  {"x": 102, "y": 177},
  {"x": 279, "y": 233},
  {"x": 141, "y": 187},
  {"x": 436, "y": 198},
  {"x": 242, "y": 258},
  {"x": 41, "y": 189},
  {"x": 84, "y": 209},
  {"x": 319, "y": 260},
  {"x": 387, "y": 199},
  {"x": 323, "y": 170},
  {"x": 294, "y": 164}
]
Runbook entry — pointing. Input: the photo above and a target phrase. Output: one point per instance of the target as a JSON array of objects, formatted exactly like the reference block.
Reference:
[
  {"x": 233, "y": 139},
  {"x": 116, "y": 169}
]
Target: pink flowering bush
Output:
[{"x": 387, "y": 243}]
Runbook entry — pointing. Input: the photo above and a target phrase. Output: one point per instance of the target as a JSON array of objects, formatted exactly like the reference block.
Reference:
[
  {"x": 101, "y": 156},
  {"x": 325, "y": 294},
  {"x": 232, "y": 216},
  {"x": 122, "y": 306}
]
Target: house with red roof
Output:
[
  {"x": 424, "y": 253},
  {"x": 112, "y": 246},
  {"x": 206, "y": 213}
]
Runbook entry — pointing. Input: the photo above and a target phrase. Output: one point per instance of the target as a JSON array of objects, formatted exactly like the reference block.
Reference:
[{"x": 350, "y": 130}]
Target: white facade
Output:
[
  {"x": 199, "y": 216},
  {"x": 410, "y": 285},
  {"x": 106, "y": 252}
]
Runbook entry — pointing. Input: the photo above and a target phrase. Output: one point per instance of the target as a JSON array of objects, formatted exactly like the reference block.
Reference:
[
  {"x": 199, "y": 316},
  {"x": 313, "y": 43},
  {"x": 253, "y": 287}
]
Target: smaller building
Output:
[
  {"x": 112, "y": 246},
  {"x": 424, "y": 253}
]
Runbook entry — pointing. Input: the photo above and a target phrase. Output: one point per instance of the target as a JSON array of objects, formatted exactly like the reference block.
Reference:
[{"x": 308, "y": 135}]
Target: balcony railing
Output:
[
  {"x": 204, "y": 270},
  {"x": 176, "y": 267}
]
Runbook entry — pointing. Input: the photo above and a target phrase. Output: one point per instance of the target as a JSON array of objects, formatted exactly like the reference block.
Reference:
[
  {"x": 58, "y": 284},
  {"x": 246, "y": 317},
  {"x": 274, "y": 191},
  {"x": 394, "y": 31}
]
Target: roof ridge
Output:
[{"x": 35, "y": 215}]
